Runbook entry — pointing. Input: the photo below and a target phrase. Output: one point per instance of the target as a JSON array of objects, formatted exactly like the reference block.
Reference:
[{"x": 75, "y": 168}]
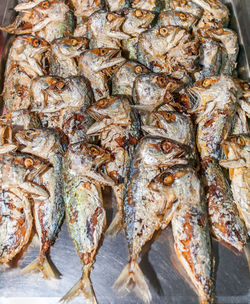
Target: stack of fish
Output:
[{"x": 104, "y": 93}]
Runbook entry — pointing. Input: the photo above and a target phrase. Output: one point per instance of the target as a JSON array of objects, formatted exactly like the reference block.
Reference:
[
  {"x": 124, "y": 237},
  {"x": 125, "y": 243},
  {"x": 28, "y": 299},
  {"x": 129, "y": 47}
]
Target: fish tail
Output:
[
  {"x": 132, "y": 279},
  {"x": 83, "y": 286},
  {"x": 44, "y": 265},
  {"x": 116, "y": 225}
]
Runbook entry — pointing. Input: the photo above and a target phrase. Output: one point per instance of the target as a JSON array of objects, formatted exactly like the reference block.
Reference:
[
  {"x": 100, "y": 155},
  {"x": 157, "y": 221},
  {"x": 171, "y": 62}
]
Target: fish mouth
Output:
[{"x": 112, "y": 60}]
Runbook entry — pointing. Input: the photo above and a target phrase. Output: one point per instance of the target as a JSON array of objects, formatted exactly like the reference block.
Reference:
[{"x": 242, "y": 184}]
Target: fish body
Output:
[
  {"x": 190, "y": 226},
  {"x": 25, "y": 62},
  {"x": 93, "y": 64},
  {"x": 118, "y": 128},
  {"x": 49, "y": 212},
  {"x": 64, "y": 54},
  {"x": 123, "y": 79},
  {"x": 104, "y": 30},
  {"x": 237, "y": 151},
  {"x": 85, "y": 214},
  {"x": 49, "y": 19}
]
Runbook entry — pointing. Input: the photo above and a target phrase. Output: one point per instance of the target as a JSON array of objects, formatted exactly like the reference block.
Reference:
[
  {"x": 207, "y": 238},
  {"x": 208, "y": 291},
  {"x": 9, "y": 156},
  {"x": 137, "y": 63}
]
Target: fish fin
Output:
[
  {"x": 46, "y": 266},
  {"x": 83, "y": 286},
  {"x": 7, "y": 148},
  {"x": 132, "y": 279},
  {"x": 116, "y": 225}
]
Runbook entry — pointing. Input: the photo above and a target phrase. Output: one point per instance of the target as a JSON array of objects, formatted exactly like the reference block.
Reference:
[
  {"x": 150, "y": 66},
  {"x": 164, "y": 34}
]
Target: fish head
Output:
[
  {"x": 70, "y": 47},
  {"x": 175, "y": 18},
  {"x": 100, "y": 59},
  {"x": 186, "y": 6},
  {"x": 116, "y": 5},
  {"x": 237, "y": 147},
  {"x": 160, "y": 152},
  {"x": 137, "y": 21},
  {"x": 85, "y": 8},
  {"x": 150, "y": 5}
]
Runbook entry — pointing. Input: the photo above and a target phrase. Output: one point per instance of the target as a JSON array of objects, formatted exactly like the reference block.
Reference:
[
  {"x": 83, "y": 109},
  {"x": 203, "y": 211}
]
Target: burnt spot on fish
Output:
[{"x": 92, "y": 222}]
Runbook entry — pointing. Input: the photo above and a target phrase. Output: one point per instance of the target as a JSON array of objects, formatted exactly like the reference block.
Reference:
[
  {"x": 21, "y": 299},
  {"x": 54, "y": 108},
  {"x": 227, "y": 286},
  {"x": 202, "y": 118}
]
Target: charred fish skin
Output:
[
  {"x": 64, "y": 53},
  {"x": 93, "y": 64},
  {"x": 49, "y": 19},
  {"x": 85, "y": 214},
  {"x": 49, "y": 212},
  {"x": 225, "y": 221},
  {"x": 142, "y": 216},
  {"x": 237, "y": 151},
  {"x": 190, "y": 226},
  {"x": 123, "y": 79},
  {"x": 23, "y": 64},
  {"x": 118, "y": 128}
]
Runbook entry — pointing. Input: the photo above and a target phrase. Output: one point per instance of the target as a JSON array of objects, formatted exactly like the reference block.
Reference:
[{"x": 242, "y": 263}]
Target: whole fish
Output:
[
  {"x": 25, "y": 62},
  {"x": 229, "y": 40},
  {"x": 190, "y": 226},
  {"x": 176, "y": 18},
  {"x": 13, "y": 122},
  {"x": 168, "y": 49},
  {"x": 49, "y": 212},
  {"x": 118, "y": 129},
  {"x": 64, "y": 54},
  {"x": 93, "y": 65},
  {"x": 104, "y": 30},
  {"x": 49, "y": 19},
  {"x": 85, "y": 214},
  {"x": 237, "y": 151},
  {"x": 149, "y": 5},
  {"x": 117, "y": 5},
  {"x": 142, "y": 215},
  {"x": 85, "y": 8},
  {"x": 136, "y": 22},
  {"x": 184, "y": 6},
  {"x": 123, "y": 79}
]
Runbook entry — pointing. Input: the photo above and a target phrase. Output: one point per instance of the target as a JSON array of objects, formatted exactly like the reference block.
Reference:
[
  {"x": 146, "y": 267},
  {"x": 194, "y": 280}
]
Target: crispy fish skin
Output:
[
  {"x": 85, "y": 214},
  {"x": 49, "y": 212},
  {"x": 117, "y": 5},
  {"x": 184, "y": 6},
  {"x": 85, "y": 8},
  {"x": 23, "y": 64},
  {"x": 190, "y": 226},
  {"x": 49, "y": 19},
  {"x": 118, "y": 128},
  {"x": 15, "y": 224},
  {"x": 149, "y": 5},
  {"x": 142, "y": 216},
  {"x": 93, "y": 64},
  {"x": 237, "y": 151},
  {"x": 64, "y": 54}
]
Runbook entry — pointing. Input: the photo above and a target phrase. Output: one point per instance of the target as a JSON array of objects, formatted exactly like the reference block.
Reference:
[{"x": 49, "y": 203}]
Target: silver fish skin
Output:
[
  {"x": 93, "y": 64},
  {"x": 25, "y": 61},
  {"x": 64, "y": 54},
  {"x": 118, "y": 129},
  {"x": 85, "y": 8},
  {"x": 16, "y": 224},
  {"x": 168, "y": 49},
  {"x": 85, "y": 214},
  {"x": 49, "y": 212},
  {"x": 49, "y": 19},
  {"x": 149, "y": 5},
  {"x": 210, "y": 58},
  {"x": 215, "y": 108},
  {"x": 142, "y": 215},
  {"x": 123, "y": 79},
  {"x": 175, "y": 18},
  {"x": 117, "y": 5},
  {"x": 184, "y": 6},
  {"x": 13, "y": 122},
  {"x": 104, "y": 30},
  {"x": 229, "y": 40},
  {"x": 52, "y": 93},
  {"x": 190, "y": 226},
  {"x": 225, "y": 221},
  {"x": 237, "y": 151}
]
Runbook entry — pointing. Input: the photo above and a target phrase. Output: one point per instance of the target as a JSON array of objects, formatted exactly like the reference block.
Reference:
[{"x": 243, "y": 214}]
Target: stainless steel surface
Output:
[{"x": 166, "y": 285}]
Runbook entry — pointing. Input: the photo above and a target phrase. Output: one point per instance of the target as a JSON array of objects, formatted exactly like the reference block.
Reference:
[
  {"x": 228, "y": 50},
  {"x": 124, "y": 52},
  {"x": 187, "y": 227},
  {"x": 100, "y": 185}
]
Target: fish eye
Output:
[
  {"x": 168, "y": 179},
  {"x": 103, "y": 52},
  {"x": 103, "y": 103},
  {"x": 245, "y": 86},
  {"x": 73, "y": 41},
  {"x": 60, "y": 85},
  {"x": 45, "y": 4},
  {"x": 183, "y": 16},
  {"x": 170, "y": 116},
  {"x": 28, "y": 162},
  {"x": 162, "y": 81},
  {"x": 138, "y": 69},
  {"x": 166, "y": 146},
  {"x": 138, "y": 13},
  {"x": 110, "y": 17},
  {"x": 183, "y": 2},
  {"x": 94, "y": 151},
  {"x": 240, "y": 140},
  {"x": 163, "y": 31},
  {"x": 206, "y": 83},
  {"x": 36, "y": 42},
  {"x": 220, "y": 31}
]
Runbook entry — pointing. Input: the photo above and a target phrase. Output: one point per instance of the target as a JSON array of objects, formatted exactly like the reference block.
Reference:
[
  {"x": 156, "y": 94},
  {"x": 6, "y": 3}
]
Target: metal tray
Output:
[{"x": 165, "y": 282}]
